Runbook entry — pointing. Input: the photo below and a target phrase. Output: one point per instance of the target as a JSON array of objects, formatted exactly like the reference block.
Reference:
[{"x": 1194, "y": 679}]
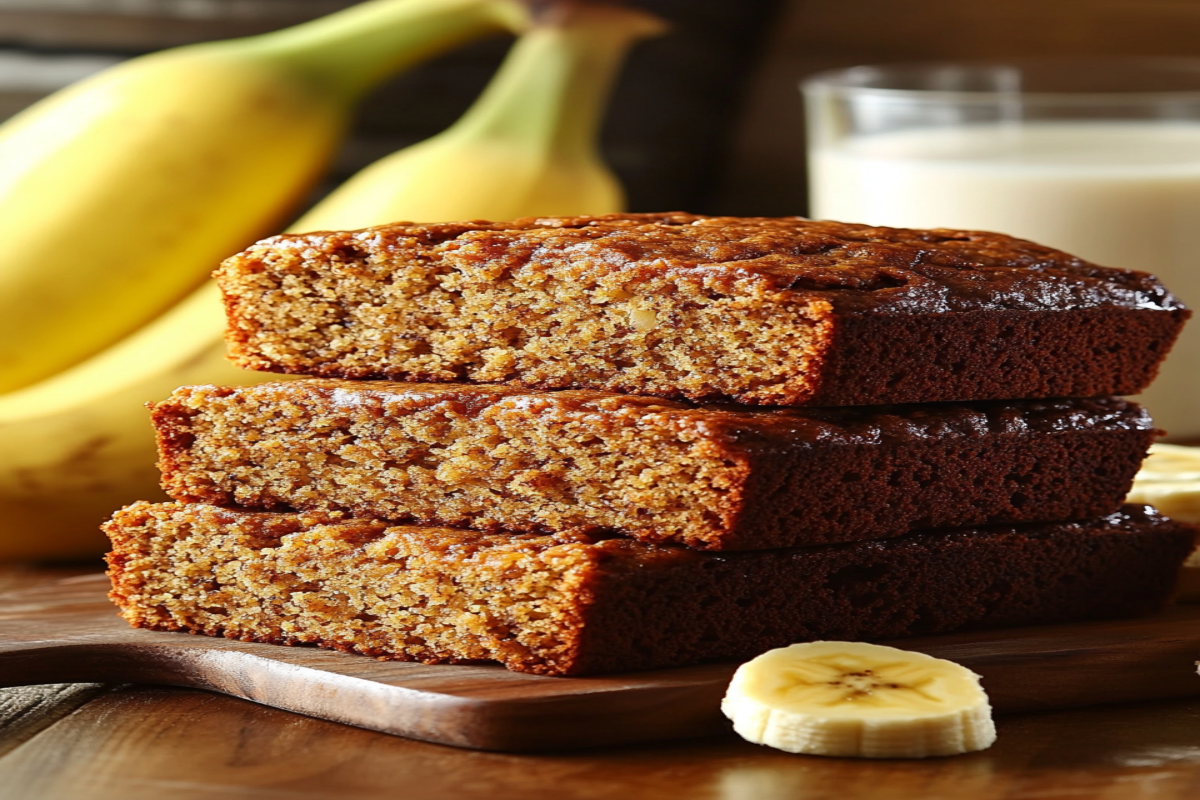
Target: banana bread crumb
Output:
[
  {"x": 710, "y": 477},
  {"x": 575, "y": 603},
  {"x": 758, "y": 310}
]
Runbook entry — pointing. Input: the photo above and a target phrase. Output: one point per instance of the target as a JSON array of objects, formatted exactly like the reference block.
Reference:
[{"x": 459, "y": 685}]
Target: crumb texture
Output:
[
  {"x": 418, "y": 594},
  {"x": 497, "y": 458},
  {"x": 758, "y": 310},
  {"x": 577, "y": 604}
]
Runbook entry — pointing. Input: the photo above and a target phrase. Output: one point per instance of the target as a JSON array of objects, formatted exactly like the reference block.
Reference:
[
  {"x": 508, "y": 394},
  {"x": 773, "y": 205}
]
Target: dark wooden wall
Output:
[
  {"x": 765, "y": 173},
  {"x": 706, "y": 119}
]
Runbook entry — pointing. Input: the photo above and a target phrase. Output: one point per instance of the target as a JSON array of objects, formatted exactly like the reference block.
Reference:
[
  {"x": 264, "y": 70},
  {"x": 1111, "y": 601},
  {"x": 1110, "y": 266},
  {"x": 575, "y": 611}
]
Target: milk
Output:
[{"x": 1123, "y": 194}]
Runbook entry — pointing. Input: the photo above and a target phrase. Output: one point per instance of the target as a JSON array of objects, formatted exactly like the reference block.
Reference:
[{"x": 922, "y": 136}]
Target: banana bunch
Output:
[
  {"x": 80, "y": 443},
  {"x": 120, "y": 193},
  {"x": 77, "y": 445},
  {"x": 856, "y": 699},
  {"x": 527, "y": 147}
]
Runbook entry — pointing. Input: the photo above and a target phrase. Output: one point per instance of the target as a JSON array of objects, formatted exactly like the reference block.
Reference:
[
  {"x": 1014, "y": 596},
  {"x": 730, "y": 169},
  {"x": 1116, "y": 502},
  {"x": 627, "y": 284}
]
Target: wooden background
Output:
[
  {"x": 766, "y": 175},
  {"x": 707, "y": 119}
]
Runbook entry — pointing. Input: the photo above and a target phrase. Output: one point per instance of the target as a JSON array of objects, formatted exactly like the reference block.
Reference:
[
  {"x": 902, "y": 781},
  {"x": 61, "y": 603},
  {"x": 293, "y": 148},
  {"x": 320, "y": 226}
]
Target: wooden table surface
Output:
[{"x": 134, "y": 742}]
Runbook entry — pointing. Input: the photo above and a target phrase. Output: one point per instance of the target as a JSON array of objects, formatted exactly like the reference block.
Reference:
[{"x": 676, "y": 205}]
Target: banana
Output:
[
  {"x": 527, "y": 147},
  {"x": 120, "y": 193},
  {"x": 857, "y": 699},
  {"x": 1169, "y": 480},
  {"x": 78, "y": 445}
]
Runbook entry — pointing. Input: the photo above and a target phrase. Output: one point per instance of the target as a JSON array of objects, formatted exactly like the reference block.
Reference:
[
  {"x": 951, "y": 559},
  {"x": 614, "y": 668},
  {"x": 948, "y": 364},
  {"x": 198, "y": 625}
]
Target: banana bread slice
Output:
[
  {"x": 710, "y": 477},
  {"x": 573, "y": 603},
  {"x": 758, "y": 310}
]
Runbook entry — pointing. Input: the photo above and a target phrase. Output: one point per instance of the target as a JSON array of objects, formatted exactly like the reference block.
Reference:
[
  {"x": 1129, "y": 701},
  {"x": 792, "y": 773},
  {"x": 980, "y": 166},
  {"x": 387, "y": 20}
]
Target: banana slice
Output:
[
  {"x": 857, "y": 699},
  {"x": 1169, "y": 480}
]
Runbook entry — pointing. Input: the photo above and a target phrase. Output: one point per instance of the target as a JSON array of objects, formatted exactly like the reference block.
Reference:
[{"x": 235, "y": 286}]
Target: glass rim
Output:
[{"x": 851, "y": 80}]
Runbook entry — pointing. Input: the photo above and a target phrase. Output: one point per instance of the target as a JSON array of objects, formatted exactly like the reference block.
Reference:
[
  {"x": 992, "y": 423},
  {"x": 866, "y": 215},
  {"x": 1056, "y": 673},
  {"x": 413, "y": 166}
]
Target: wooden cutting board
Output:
[{"x": 68, "y": 632}]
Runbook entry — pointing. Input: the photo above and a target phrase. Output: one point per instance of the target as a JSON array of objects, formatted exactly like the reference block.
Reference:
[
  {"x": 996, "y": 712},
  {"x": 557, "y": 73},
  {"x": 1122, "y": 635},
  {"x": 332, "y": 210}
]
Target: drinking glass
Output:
[{"x": 1098, "y": 157}]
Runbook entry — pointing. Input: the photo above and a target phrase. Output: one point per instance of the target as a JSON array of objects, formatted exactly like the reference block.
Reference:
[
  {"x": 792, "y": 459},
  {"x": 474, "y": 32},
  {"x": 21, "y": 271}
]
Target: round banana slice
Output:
[
  {"x": 1169, "y": 480},
  {"x": 857, "y": 699}
]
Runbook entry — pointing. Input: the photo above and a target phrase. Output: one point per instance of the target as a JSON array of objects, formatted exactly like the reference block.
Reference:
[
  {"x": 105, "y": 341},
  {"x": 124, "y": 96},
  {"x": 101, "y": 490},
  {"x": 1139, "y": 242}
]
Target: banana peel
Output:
[
  {"x": 526, "y": 147},
  {"x": 77, "y": 446},
  {"x": 120, "y": 193}
]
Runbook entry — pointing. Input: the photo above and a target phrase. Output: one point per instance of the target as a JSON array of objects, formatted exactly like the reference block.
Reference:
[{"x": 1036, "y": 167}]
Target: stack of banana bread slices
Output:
[{"x": 597, "y": 444}]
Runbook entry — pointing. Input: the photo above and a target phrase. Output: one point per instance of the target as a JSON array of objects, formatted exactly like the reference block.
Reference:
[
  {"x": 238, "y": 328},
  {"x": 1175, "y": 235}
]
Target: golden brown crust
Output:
[
  {"x": 758, "y": 310},
  {"x": 894, "y": 270},
  {"x": 578, "y": 604}
]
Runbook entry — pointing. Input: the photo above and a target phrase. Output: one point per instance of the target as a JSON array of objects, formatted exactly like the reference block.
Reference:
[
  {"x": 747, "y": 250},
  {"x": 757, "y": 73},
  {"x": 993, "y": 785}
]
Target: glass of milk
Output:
[{"x": 1100, "y": 158}]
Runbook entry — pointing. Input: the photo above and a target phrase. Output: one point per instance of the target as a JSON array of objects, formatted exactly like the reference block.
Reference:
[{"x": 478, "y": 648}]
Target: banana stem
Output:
[
  {"x": 349, "y": 52},
  {"x": 550, "y": 92}
]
